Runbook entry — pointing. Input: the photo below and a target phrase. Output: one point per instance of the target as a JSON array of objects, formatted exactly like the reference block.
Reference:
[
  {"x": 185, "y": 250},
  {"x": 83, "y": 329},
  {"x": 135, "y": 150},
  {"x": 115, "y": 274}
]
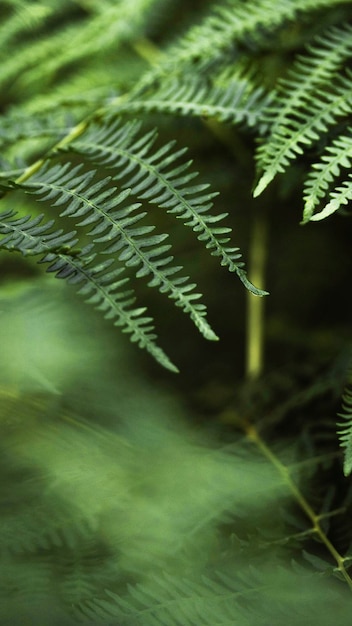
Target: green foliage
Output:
[
  {"x": 119, "y": 122},
  {"x": 312, "y": 99},
  {"x": 346, "y": 432},
  {"x": 140, "y": 518},
  {"x": 301, "y": 109}
]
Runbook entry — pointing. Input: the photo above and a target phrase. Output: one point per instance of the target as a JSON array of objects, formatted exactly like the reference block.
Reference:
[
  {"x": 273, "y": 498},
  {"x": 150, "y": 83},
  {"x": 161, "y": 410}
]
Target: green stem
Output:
[
  {"x": 255, "y": 437},
  {"x": 255, "y": 305}
]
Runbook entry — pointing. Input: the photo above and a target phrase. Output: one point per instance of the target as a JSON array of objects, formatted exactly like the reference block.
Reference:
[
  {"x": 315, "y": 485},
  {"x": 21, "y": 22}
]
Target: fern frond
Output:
[
  {"x": 245, "y": 597},
  {"x": 31, "y": 236},
  {"x": 56, "y": 49},
  {"x": 307, "y": 103},
  {"x": 111, "y": 27},
  {"x": 345, "y": 432},
  {"x": 104, "y": 289},
  {"x": 239, "y": 101},
  {"x": 154, "y": 177},
  {"x": 26, "y": 57},
  {"x": 97, "y": 205},
  {"x": 23, "y": 19},
  {"x": 18, "y": 125},
  {"x": 341, "y": 196},
  {"x": 336, "y": 157},
  {"x": 230, "y": 23},
  {"x": 169, "y": 600}
]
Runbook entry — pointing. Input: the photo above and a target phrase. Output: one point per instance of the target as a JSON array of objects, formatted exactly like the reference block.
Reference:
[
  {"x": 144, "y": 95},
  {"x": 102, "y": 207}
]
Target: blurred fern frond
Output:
[{"x": 345, "y": 428}]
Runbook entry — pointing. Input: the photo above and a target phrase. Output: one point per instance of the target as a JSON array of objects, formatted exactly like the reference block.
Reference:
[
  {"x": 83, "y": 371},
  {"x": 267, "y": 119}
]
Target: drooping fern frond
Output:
[
  {"x": 239, "y": 101},
  {"x": 96, "y": 204},
  {"x": 31, "y": 236},
  {"x": 236, "y": 597},
  {"x": 339, "y": 197},
  {"x": 172, "y": 601},
  {"x": 18, "y": 126},
  {"x": 307, "y": 103},
  {"x": 66, "y": 46},
  {"x": 345, "y": 428},
  {"x": 95, "y": 282},
  {"x": 336, "y": 157},
  {"x": 155, "y": 178},
  {"x": 229, "y": 24}
]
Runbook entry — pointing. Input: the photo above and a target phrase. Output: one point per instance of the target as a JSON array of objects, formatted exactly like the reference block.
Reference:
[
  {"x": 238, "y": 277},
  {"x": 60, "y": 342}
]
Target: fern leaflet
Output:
[
  {"x": 98, "y": 286},
  {"x": 345, "y": 433},
  {"x": 228, "y": 23},
  {"x": 150, "y": 178},
  {"x": 336, "y": 157},
  {"x": 95, "y": 204},
  {"x": 307, "y": 103},
  {"x": 341, "y": 196},
  {"x": 239, "y": 101},
  {"x": 169, "y": 600}
]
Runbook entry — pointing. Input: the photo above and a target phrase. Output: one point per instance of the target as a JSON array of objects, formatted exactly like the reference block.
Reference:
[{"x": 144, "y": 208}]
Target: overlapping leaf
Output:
[
  {"x": 96, "y": 204},
  {"x": 307, "y": 105},
  {"x": 100, "y": 285},
  {"x": 345, "y": 429},
  {"x": 239, "y": 101},
  {"x": 157, "y": 176}
]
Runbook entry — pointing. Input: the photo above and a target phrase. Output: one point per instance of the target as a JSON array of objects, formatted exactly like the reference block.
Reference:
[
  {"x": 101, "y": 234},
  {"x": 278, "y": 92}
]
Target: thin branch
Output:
[{"x": 254, "y": 436}]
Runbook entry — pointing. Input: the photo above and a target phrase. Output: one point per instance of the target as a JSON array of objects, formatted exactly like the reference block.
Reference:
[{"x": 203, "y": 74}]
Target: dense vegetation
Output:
[{"x": 141, "y": 143}]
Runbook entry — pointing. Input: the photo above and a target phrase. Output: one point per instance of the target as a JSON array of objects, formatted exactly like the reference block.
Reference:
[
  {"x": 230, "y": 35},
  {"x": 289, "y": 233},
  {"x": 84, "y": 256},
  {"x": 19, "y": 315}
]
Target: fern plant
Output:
[
  {"x": 154, "y": 176},
  {"x": 312, "y": 100},
  {"x": 119, "y": 123},
  {"x": 160, "y": 177}
]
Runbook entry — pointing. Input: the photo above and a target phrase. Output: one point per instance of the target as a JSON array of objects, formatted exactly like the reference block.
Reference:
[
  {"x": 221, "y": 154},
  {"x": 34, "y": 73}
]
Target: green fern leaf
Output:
[
  {"x": 19, "y": 126},
  {"x": 336, "y": 157},
  {"x": 168, "y": 600},
  {"x": 307, "y": 103},
  {"x": 242, "y": 597},
  {"x": 31, "y": 236},
  {"x": 55, "y": 49},
  {"x": 228, "y": 23},
  {"x": 341, "y": 196},
  {"x": 154, "y": 177},
  {"x": 102, "y": 288},
  {"x": 96, "y": 204},
  {"x": 345, "y": 432},
  {"x": 239, "y": 101}
]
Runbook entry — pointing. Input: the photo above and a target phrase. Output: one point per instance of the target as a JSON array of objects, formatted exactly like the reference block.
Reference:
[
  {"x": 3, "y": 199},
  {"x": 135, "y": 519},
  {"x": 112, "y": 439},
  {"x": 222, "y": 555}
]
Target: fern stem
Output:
[
  {"x": 254, "y": 436},
  {"x": 255, "y": 306},
  {"x": 147, "y": 50},
  {"x": 75, "y": 132}
]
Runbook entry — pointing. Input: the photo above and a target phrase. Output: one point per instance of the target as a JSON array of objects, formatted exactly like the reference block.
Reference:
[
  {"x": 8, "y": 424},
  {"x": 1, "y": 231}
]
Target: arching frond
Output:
[
  {"x": 241, "y": 597},
  {"x": 156, "y": 177},
  {"x": 339, "y": 197},
  {"x": 227, "y": 24},
  {"x": 97, "y": 204},
  {"x": 336, "y": 157},
  {"x": 239, "y": 101},
  {"x": 97, "y": 283},
  {"x": 31, "y": 236},
  {"x": 19, "y": 126},
  {"x": 169, "y": 600},
  {"x": 56, "y": 49},
  {"x": 345, "y": 429},
  {"x": 307, "y": 103}
]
